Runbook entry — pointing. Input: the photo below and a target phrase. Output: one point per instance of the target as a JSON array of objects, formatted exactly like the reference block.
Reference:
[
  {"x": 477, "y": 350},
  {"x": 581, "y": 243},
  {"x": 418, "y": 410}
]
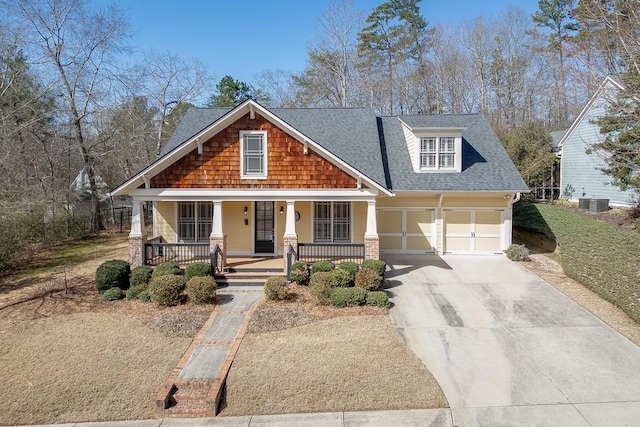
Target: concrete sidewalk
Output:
[{"x": 417, "y": 418}]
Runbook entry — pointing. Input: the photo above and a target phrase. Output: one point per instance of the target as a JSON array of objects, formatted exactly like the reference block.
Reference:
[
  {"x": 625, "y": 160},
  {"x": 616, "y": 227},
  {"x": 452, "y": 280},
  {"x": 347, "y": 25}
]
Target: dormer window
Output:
[
  {"x": 253, "y": 154},
  {"x": 432, "y": 149},
  {"x": 437, "y": 153}
]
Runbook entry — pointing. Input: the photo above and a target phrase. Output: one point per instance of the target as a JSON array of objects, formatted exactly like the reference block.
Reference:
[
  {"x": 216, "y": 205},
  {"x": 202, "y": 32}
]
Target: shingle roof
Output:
[
  {"x": 485, "y": 164},
  {"x": 362, "y": 140}
]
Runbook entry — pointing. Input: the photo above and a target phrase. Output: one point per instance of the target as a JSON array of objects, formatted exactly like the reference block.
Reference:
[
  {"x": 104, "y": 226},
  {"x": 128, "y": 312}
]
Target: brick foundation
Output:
[
  {"x": 136, "y": 250},
  {"x": 371, "y": 247},
  {"x": 221, "y": 241}
]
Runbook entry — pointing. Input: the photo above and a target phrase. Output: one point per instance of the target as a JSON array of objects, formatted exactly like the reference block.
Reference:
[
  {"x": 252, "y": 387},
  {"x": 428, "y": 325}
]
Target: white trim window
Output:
[
  {"x": 332, "y": 222},
  {"x": 439, "y": 153},
  {"x": 253, "y": 154},
  {"x": 192, "y": 217}
]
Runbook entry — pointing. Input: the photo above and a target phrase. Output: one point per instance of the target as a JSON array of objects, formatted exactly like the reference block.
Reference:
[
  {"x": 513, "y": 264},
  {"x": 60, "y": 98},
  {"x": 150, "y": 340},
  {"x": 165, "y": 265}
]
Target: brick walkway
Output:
[{"x": 194, "y": 386}]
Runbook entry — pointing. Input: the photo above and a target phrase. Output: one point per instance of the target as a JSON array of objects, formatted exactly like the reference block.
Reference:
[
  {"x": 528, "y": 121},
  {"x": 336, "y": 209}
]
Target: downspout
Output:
[{"x": 515, "y": 198}]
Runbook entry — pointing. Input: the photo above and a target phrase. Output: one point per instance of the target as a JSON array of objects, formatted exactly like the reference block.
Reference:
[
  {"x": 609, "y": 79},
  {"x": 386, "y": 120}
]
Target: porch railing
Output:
[
  {"x": 312, "y": 252},
  {"x": 156, "y": 252}
]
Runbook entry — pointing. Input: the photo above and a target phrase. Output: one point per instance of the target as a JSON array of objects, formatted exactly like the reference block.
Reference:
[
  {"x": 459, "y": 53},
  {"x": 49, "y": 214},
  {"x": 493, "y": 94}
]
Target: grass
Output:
[
  {"x": 71, "y": 357},
  {"x": 339, "y": 364},
  {"x": 601, "y": 256}
]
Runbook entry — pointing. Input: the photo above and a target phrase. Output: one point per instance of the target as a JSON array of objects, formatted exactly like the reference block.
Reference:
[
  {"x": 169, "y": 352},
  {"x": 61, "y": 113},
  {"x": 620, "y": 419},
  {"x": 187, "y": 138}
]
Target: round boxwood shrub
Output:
[
  {"x": 300, "y": 273},
  {"x": 341, "y": 278},
  {"x": 112, "y": 294},
  {"x": 201, "y": 290},
  {"x": 378, "y": 266},
  {"x": 378, "y": 298},
  {"x": 347, "y": 297},
  {"x": 350, "y": 267},
  {"x": 368, "y": 279},
  {"x": 144, "y": 296},
  {"x": 320, "y": 286},
  {"x": 275, "y": 288},
  {"x": 166, "y": 290},
  {"x": 197, "y": 269},
  {"x": 321, "y": 266},
  {"x": 165, "y": 268},
  {"x": 112, "y": 274},
  {"x": 133, "y": 292},
  {"x": 140, "y": 276}
]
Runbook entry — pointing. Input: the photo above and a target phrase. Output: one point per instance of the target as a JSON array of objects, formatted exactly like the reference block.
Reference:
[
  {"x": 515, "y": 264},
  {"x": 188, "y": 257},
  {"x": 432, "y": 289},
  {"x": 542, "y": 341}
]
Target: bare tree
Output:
[
  {"x": 167, "y": 80},
  {"x": 78, "y": 46},
  {"x": 279, "y": 86}
]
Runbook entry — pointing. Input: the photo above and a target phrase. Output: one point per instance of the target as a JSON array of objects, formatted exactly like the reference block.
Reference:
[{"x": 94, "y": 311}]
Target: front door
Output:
[{"x": 264, "y": 236}]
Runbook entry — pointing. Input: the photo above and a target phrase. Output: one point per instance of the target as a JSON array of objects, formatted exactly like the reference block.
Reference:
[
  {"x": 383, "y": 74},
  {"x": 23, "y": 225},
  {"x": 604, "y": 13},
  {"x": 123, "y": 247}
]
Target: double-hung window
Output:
[
  {"x": 253, "y": 154},
  {"x": 437, "y": 153},
  {"x": 195, "y": 220},
  {"x": 332, "y": 222}
]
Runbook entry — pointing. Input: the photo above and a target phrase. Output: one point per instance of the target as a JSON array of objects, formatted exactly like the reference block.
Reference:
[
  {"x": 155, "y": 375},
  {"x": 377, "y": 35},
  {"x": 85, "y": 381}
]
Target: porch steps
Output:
[{"x": 239, "y": 276}]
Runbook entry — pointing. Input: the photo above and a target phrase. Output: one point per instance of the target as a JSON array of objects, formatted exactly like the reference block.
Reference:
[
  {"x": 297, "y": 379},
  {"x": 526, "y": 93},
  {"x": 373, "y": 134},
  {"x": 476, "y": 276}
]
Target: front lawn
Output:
[{"x": 601, "y": 256}]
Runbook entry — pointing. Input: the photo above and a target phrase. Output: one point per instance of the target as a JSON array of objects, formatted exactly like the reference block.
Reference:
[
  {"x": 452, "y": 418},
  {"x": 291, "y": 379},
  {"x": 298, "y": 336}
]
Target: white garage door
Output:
[
  {"x": 473, "y": 231},
  {"x": 406, "y": 230}
]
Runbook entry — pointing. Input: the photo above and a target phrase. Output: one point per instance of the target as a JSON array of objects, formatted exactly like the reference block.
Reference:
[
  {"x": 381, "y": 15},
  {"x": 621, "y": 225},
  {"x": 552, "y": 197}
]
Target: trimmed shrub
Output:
[
  {"x": 321, "y": 266},
  {"x": 113, "y": 274},
  {"x": 347, "y": 297},
  {"x": 166, "y": 290},
  {"x": 368, "y": 279},
  {"x": 350, "y": 267},
  {"x": 378, "y": 299},
  {"x": 140, "y": 276},
  {"x": 320, "y": 286},
  {"x": 341, "y": 278},
  {"x": 376, "y": 265},
  {"x": 300, "y": 273},
  {"x": 197, "y": 269},
  {"x": 133, "y": 292},
  {"x": 275, "y": 288},
  {"x": 201, "y": 290},
  {"x": 517, "y": 252},
  {"x": 112, "y": 294},
  {"x": 144, "y": 296},
  {"x": 165, "y": 268}
]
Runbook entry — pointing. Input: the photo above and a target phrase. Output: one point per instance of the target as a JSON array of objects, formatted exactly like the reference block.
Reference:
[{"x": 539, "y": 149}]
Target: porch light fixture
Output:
[
  {"x": 281, "y": 210},
  {"x": 246, "y": 210}
]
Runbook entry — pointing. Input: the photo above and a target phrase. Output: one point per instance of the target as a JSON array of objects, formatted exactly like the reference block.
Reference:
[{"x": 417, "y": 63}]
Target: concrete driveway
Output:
[{"x": 508, "y": 348}]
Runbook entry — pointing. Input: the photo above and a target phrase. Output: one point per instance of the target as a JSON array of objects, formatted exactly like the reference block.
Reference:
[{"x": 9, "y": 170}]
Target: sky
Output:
[{"x": 244, "y": 38}]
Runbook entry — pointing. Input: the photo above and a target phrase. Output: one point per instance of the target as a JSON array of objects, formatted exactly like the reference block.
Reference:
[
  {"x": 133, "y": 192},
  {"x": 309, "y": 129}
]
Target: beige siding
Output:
[
  {"x": 474, "y": 202},
  {"x": 358, "y": 221},
  {"x": 304, "y": 226},
  {"x": 239, "y": 235},
  {"x": 166, "y": 221},
  {"x": 408, "y": 202}
]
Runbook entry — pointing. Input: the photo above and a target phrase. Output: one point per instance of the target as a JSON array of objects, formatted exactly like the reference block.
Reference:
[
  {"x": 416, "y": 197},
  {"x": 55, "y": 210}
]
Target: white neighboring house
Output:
[{"x": 581, "y": 173}]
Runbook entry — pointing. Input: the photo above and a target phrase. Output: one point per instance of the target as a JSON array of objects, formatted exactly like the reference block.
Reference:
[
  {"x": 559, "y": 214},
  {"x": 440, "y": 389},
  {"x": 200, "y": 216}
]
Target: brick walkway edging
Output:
[{"x": 215, "y": 392}]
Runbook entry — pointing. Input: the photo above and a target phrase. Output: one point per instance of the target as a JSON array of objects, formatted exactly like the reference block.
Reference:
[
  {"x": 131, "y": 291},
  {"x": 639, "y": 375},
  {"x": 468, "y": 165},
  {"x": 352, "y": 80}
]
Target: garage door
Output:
[
  {"x": 406, "y": 230},
  {"x": 473, "y": 231}
]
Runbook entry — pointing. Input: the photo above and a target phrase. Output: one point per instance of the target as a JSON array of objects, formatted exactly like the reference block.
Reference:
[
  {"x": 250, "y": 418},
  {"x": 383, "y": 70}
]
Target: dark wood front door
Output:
[{"x": 264, "y": 236}]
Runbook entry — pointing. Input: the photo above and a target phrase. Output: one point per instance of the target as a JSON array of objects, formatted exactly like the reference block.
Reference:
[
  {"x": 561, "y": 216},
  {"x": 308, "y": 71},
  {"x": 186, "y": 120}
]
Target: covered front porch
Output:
[{"x": 221, "y": 226}]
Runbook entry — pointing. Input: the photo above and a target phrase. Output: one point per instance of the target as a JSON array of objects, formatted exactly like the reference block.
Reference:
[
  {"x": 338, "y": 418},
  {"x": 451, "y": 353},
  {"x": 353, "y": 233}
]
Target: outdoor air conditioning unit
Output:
[
  {"x": 583, "y": 203},
  {"x": 598, "y": 205}
]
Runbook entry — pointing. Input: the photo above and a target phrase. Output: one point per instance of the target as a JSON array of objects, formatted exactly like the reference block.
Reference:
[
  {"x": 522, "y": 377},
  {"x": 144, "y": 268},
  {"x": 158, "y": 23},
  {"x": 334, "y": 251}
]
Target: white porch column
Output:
[
  {"x": 290, "y": 236},
  {"x": 138, "y": 235},
  {"x": 371, "y": 239},
  {"x": 217, "y": 236}
]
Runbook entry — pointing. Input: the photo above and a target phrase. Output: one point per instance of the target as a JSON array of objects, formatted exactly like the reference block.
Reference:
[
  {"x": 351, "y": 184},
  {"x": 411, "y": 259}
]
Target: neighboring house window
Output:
[
  {"x": 195, "y": 220},
  {"x": 253, "y": 154},
  {"x": 437, "y": 152},
  {"x": 332, "y": 222}
]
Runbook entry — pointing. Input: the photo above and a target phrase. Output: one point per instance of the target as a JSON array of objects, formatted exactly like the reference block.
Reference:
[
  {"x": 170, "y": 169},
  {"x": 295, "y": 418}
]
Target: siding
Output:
[
  {"x": 580, "y": 174},
  {"x": 219, "y": 164},
  {"x": 166, "y": 220}
]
